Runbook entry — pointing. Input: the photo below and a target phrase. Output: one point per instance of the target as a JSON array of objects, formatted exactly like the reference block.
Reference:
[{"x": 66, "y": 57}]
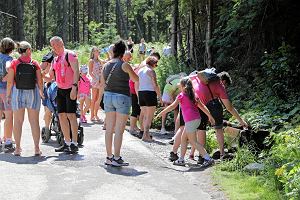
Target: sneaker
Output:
[
  {"x": 9, "y": 148},
  {"x": 61, "y": 148},
  {"x": 119, "y": 162},
  {"x": 108, "y": 161},
  {"x": 173, "y": 156},
  {"x": 140, "y": 135},
  {"x": 171, "y": 142},
  {"x": 179, "y": 162},
  {"x": 208, "y": 163},
  {"x": 200, "y": 160},
  {"x": 163, "y": 131},
  {"x": 71, "y": 149}
]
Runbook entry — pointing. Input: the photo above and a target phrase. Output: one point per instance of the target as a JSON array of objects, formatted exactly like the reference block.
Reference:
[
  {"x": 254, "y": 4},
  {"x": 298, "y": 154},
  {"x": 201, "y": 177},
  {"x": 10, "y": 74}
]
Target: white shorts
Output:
[
  {"x": 191, "y": 126},
  {"x": 166, "y": 98}
]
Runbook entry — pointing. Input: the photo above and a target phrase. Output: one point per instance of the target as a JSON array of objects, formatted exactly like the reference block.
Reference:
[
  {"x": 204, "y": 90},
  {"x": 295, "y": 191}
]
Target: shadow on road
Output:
[
  {"x": 22, "y": 160},
  {"x": 123, "y": 171}
]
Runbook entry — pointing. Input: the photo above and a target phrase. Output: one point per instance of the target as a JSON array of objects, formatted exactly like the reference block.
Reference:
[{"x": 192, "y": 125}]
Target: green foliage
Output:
[
  {"x": 280, "y": 66},
  {"x": 243, "y": 157},
  {"x": 103, "y": 34}
]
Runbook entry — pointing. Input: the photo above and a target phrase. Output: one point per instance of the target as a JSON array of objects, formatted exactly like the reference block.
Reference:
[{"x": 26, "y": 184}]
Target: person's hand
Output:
[
  {"x": 212, "y": 121},
  {"x": 42, "y": 94},
  {"x": 244, "y": 124},
  {"x": 73, "y": 93},
  {"x": 158, "y": 116}
]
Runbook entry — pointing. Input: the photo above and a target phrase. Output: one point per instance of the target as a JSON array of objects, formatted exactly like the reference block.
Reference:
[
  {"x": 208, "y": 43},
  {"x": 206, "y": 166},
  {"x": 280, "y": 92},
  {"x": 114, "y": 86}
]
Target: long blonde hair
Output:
[{"x": 92, "y": 52}]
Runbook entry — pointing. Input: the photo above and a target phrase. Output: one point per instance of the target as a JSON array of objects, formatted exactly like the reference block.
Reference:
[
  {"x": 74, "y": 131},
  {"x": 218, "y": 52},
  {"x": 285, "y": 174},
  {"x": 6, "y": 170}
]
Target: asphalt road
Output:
[{"x": 84, "y": 176}]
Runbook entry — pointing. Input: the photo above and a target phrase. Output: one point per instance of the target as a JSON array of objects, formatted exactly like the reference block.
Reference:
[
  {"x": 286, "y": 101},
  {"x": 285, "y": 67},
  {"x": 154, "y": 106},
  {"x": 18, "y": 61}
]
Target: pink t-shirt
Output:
[
  {"x": 84, "y": 85},
  {"x": 202, "y": 92},
  {"x": 131, "y": 83},
  {"x": 63, "y": 72},
  {"x": 189, "y": 109}
]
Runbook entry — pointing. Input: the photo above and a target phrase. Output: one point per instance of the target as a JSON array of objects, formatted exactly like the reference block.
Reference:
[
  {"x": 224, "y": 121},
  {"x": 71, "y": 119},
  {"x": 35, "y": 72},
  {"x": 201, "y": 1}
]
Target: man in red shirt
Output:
[{"x": 66, "y": 68}]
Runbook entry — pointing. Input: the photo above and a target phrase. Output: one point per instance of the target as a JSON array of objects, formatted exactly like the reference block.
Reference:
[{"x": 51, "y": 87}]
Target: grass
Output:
[{"x": 240, "y": 186}]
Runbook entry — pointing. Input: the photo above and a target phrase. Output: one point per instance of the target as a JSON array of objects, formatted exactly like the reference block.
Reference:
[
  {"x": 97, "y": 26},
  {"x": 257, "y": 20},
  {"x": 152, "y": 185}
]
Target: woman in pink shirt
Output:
[
  {"x": 84, "y": 92},
  {"x": 191, "y": 117}
]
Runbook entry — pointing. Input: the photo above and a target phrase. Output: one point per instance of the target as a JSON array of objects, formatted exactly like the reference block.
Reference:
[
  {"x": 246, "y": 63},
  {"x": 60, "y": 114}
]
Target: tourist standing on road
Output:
[
  {"x": 66, "y": 69},
  {"x": 84, "y": 92},
  {"x": 45, "y": 67},
  {"x": 192, "y": 120},
  {"x": 142, "y": 50},
  {"x": 211, "y": 94},
  {"x": 7, "y": 45},
  {"x": 135, "y": 109},
  {"x": 130, "y": 44},
  {"x": 117, "y": 102},
  {"x": 148, "y": 92},
  {"x": 95, "y": 68},
  {"x": 24, "y": 91}
]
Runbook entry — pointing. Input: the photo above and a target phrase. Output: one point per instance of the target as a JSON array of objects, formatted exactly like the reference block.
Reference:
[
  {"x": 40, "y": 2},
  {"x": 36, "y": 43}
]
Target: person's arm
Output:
[
  {"x": 102, "y": 84},
  {"x": 75, "y": 67},
  {"x": 10, "y": 83},
  {"x": 91, "y": 62},
  {"x": 152, "y": 74},
  {"x": 168, "y": 108},
  {"x": 233, "y": 111},
  {"x": 128, "y": 69},
  {"x": 39, "y": 80},
  {"x": 206, "y": 111}
]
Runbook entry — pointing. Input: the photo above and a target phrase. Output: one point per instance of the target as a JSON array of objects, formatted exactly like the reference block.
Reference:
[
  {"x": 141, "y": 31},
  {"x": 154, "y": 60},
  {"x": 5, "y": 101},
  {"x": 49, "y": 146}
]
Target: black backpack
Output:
[{"x": 25, "y": 76}]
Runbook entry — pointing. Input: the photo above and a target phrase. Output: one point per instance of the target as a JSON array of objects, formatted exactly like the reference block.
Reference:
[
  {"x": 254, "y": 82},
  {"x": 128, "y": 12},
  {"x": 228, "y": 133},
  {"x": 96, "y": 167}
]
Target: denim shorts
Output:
[
  {"x": 114, "y": 102},
  {"x": 191, "y": 126},
  {"x": 25, "y": 99}
]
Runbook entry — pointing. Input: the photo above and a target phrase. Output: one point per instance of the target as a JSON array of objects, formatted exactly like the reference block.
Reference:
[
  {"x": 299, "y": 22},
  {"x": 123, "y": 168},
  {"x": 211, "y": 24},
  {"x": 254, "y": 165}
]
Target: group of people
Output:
[{"x": 121, "y": 87}]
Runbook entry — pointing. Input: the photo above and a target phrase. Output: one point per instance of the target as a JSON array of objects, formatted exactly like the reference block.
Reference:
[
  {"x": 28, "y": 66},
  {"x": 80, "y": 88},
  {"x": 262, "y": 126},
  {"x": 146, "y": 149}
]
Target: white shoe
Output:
[{"x": 163, "y": 131}]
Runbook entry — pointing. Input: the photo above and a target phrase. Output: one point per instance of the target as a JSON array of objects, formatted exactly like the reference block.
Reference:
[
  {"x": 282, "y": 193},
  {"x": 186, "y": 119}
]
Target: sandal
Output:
[
  {"x": 17, "y": 152},
  {"x": 38, "y": 153}
]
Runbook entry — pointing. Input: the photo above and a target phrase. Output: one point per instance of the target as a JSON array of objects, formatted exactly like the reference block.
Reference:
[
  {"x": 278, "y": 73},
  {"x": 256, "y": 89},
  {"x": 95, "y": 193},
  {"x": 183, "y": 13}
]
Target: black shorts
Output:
[
  {"x": 64, "y": 103},
  {"x": 204, "y": 120},
  {"x": 147, "y": 98},
  {"x": 216, "y": 110},
  {"x": 136, "y": 110},
  {"x": 102, "y": 104}
]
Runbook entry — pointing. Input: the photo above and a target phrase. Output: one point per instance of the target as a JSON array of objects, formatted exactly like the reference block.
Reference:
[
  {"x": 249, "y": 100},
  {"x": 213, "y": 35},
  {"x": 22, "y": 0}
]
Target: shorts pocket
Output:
[{"x": 123, "y": 101}]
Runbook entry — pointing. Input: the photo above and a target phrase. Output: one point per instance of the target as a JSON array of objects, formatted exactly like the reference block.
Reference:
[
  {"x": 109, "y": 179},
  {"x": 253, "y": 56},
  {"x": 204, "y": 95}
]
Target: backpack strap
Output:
[{"x": 67, "y": 59}]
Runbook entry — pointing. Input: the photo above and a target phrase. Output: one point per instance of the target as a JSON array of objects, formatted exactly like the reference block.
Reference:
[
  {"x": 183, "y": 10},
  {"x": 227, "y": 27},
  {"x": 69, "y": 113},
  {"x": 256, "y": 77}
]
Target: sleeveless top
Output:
[
  {"x": 118, "y": 82},
  {"x": 145, "y": 81},
  {"x": 97, "y": 68}
]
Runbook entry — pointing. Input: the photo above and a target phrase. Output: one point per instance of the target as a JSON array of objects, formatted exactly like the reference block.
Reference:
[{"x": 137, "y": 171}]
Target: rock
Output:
[{"x": 254, "y": 167}]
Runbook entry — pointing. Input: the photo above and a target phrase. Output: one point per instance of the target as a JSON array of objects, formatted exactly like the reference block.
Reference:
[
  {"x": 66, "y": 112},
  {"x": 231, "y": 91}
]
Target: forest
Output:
[{"x": 256, "y": 41}]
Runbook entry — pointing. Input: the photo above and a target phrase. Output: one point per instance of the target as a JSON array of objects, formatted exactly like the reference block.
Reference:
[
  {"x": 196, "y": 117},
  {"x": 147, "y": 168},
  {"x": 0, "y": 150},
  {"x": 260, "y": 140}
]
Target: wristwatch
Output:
[{"x": 75, "y": 84}]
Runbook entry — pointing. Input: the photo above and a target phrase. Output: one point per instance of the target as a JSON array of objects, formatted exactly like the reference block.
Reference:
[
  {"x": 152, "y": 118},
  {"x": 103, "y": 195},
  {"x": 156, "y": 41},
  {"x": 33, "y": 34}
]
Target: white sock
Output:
[
  {"x": 68, "y": 143},
  {"x": 116, "y": 158},
  {"x": 181, "y": 159},
  {"x": 75, "y": 143}
]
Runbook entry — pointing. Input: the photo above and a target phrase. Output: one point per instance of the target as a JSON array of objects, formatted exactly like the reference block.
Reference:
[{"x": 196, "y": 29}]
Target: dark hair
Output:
[
  {"x": 188, "y": 88},
  {"x": 7, "y": 45},
  {"x": 155, "y": 54},
  {"x": 119, "y": 49},
  {"x": 151, "y": 60},
  {"x": 224, "y": 76}
]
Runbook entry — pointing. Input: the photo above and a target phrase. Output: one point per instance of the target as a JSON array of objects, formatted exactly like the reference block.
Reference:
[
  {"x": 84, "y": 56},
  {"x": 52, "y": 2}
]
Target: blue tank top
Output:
[{"x": 3, "y": 59}]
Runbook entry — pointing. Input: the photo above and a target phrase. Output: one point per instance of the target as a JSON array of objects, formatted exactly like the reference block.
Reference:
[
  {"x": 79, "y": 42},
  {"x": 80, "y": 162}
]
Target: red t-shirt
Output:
[
  {"x": 63, "y": 72},
  {"x": 24, "y": 59},
  {"x": 202, "y": 92}
]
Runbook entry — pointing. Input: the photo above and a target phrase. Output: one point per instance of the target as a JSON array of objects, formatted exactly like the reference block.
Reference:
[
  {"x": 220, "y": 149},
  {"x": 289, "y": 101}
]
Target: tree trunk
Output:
[
  {"x": 39, "y": 33},
  {"x": 209, "y": 10},
  {"x": 192, "y": 39},
  {"x": 75, "y": 22},
  {"x": 90, "y": 15},
  {"x": 19, "y": 22},
  {"x": 174, "y": 28},
  {"x": 45, "y": 22},
  {"x": 70, "y": 21},
  {"x": 65, "y": 22}
]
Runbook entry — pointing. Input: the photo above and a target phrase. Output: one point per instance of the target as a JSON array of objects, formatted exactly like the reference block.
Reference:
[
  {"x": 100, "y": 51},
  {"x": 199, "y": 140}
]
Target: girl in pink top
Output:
[
  {"x": 84, "y": 92},
  {"x": 191, "y": 116}
]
